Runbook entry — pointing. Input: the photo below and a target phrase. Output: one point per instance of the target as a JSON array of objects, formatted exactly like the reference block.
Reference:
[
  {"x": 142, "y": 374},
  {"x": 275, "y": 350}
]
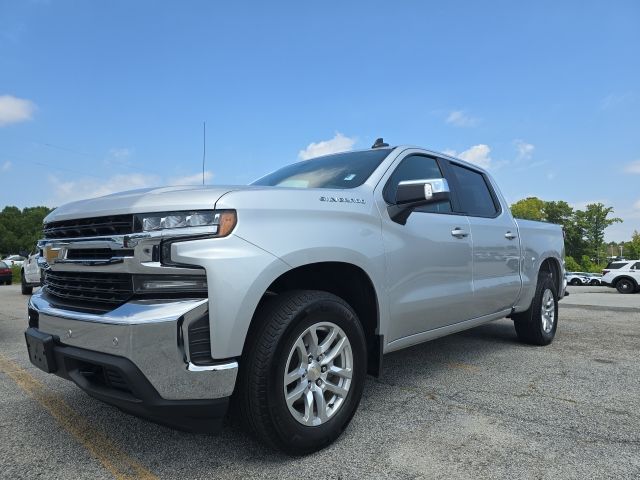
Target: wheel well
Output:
[
  {"x": 552, "y": 266},
  {"x": 348, "y": 282},
  {"x": 633, "y": 280}
]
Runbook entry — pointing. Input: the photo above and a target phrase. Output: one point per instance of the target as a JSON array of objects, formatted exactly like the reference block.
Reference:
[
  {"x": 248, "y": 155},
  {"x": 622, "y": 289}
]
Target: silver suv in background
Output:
[{"x": 279, "y": 297}]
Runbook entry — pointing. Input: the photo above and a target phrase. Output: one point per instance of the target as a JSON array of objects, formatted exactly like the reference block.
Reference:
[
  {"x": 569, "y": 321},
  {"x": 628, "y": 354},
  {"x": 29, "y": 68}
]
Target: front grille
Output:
[
  {"x": 91, "y": 291},
  {"x": 89, "y": 227},
  {"x": 97, "y": 253}
]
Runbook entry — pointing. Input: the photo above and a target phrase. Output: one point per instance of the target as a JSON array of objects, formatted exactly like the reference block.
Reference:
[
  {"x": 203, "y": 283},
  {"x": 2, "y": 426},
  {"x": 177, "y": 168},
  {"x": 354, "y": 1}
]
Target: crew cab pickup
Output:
[{"x": 278, "y": 298}]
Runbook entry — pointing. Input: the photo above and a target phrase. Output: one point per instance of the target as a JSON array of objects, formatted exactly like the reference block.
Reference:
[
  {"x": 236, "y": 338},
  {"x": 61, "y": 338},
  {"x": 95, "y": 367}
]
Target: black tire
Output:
[
  {"x": 626, "y": 285},
  {"x": 595, "y": 283},
  {"x": 529, "y": 324},
  {"x": 281, "y": 320},
  {"x": 575, "y": 282},
  {"x": 8, "y": 282},
  {"x": 26, "y": 290}
]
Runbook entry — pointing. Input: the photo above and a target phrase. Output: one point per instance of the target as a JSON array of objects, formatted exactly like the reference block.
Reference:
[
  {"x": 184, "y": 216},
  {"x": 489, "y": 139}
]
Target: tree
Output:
[
  {"x": 632, "y": 249},
  {"x": 594, "y": 221},
  {"x": 20, "y": 229},
  {"x": 559, "y": 212},
  {"x": 530, "y": 208}
]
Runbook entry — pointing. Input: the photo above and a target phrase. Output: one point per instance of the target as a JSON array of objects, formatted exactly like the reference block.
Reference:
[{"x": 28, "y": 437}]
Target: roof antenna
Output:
[
  {"x": 204, "y": 147},
  {"x": 379, "y": 143}
]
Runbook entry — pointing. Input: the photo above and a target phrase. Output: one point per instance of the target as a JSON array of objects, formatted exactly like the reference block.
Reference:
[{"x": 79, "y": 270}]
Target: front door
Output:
[{"x": 428, "y": 260}]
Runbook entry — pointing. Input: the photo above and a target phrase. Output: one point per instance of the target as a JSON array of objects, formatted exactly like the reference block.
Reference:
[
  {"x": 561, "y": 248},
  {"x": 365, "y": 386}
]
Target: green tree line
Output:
[
  {"x": 20, "y": 229},
  {"x": 585, "y": 247}
]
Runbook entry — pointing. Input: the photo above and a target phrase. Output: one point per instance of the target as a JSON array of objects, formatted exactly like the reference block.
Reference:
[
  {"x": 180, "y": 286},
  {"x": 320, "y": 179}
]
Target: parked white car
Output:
[
  {"x": 576, "y": 278},
  {"x": 30, "y": 274},
  {"x": 591, "y": 278},
  {"x": 12, "y": 260},
  {"x": 624, "y": 276}
]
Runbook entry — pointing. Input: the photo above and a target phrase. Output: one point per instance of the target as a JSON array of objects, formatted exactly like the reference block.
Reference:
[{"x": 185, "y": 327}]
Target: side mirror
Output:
[{"x": 416, "y": 193}]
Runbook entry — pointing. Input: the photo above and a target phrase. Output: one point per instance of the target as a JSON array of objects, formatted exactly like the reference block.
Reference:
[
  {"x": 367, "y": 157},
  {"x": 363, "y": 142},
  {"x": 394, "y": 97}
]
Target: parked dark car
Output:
[{"x": 6, "y": 275}]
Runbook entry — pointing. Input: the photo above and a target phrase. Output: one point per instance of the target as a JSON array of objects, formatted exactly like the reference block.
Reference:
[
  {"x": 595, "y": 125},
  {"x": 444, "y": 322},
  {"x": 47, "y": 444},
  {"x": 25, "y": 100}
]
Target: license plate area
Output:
[{"x": 40, "y": 346}]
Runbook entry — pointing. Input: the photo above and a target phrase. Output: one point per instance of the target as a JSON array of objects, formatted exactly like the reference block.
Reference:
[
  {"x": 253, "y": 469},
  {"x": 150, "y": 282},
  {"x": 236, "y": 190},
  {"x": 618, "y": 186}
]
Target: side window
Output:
[
  {"x": 416, "y": 167},
  {"x": 474, "y": 193},
  {"x": 637, "y": 265}
]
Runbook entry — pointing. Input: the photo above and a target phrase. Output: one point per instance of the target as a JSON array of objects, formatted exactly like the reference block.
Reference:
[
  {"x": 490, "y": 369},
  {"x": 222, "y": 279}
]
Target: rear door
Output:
[
  {"x": 496, "y": 246},
  {"x": 428, "y": 260}
]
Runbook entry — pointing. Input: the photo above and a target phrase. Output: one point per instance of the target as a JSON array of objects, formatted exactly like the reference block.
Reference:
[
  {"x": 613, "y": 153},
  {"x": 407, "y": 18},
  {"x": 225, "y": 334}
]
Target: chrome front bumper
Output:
[{"x": 153, "y": 334}]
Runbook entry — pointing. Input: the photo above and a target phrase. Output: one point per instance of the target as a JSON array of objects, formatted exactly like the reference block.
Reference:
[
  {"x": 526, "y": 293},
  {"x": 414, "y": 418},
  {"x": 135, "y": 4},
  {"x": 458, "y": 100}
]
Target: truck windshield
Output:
[{"x": 341, "y": 170}]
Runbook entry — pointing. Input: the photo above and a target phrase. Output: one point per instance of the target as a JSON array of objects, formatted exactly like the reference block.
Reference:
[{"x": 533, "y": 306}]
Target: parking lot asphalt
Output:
[
  {"x": 601, "y": 298},
  {"x": 472, "y": 405}
]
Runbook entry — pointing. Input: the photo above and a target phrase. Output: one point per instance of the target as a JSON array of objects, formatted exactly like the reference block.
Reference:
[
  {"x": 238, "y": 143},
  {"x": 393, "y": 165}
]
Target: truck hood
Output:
[{"x": 144, "y": 201}]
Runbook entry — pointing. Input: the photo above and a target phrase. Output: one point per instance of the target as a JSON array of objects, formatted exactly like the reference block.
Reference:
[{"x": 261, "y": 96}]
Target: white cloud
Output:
[
  {"x": 195, "y": 179},
  {"x": 614, "y": 99},
  {"x": 121, "y": 153},
  {"x": 6, "y": 166},
  {"x": 636, "y": 205},
  {"x": 339, "y": 143},
  {"x": 478, "y": 154},
  {"x": 633, "y": 167},
  {"x": 14, "y": 110},
  {"x": 524, "y": 150},
  {"x": 459, "y": 118},
  {"x": 71, "y": 190}
]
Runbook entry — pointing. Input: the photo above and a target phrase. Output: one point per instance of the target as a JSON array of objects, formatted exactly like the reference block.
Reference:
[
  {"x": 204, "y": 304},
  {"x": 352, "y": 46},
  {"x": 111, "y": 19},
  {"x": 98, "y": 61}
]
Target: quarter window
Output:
[
  {"x": 474, "y": 193},
  {"x": 416, "y": 167}
]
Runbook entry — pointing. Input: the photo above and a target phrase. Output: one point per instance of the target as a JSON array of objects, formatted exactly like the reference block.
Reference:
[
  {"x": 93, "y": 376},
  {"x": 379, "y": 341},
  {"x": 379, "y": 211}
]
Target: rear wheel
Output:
[
  {"x": 538, "y": 324},
  {"x": 26, "y": 290},
  {"x": 575, "y": 282},
  {"x": 301, "y": 381},
  {"x": 594, "y": 282},
  {"x": 625, "y": 285}
]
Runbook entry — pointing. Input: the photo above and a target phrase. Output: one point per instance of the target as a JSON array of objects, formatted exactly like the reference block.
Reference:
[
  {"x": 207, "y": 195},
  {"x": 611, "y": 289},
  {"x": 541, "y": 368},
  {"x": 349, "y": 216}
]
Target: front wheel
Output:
[
  {"x": 624, "y": 285},
  {"x": 303, "y": 375},
  {"x": 595, "y": 283},
  {"x": 538, "y": 324},
  {"x": 575, "y": 282}
]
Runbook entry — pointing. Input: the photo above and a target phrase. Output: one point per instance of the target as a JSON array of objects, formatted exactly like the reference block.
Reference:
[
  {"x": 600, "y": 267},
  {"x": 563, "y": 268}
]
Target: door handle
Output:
[
  {"x": 510, "y": 236},
  {"x": 459, "y": 233}
]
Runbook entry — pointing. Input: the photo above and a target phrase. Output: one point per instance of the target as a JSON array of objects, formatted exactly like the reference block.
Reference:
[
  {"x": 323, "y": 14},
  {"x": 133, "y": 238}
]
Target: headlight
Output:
[{"x": 222, "y": 221}]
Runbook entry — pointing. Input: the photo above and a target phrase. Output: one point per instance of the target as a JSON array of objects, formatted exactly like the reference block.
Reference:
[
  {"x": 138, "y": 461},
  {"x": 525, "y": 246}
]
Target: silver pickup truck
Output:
[{"x": 278, "y": 298}]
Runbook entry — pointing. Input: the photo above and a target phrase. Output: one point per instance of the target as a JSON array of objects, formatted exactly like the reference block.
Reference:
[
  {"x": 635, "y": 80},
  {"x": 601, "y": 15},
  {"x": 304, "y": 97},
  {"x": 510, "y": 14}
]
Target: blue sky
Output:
[{"x": 105, "y": 96}]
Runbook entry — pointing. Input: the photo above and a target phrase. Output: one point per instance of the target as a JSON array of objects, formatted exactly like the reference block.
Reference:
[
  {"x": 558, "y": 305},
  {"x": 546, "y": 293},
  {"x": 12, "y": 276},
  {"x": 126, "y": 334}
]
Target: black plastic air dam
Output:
[{"x": 95, "y": 373}]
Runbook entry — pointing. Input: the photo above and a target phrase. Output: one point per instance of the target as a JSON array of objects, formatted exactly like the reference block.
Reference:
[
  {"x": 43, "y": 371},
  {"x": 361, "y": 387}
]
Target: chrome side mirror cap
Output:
[
  {"x": 426, "y": 191},
  {"x": 416, "y": 193}
]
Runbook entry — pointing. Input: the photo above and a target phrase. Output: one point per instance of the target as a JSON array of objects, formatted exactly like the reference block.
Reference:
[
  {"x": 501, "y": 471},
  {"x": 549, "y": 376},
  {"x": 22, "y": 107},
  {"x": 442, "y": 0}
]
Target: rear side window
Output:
[
  {"x": 416, "y": 167},
  {"x": 616, "y": 265},
  {"x": 636, "y": 265},
  {"x": 474, "y": 193}
]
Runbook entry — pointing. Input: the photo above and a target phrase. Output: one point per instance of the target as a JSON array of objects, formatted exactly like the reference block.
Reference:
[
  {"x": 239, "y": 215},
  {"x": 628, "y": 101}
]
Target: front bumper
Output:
[
  {"x": 150, "y": 335},
  {"x": 118, "y": 381}
]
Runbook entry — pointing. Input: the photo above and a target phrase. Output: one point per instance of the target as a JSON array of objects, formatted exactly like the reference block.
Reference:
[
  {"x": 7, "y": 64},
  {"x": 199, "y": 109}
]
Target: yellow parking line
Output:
[{"x": 121, "y": 465}]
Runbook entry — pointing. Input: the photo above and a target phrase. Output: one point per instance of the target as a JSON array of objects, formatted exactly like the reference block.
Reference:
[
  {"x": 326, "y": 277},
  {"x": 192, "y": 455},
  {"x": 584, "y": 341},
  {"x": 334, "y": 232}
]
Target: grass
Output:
[{"x": 16, "y": 273}]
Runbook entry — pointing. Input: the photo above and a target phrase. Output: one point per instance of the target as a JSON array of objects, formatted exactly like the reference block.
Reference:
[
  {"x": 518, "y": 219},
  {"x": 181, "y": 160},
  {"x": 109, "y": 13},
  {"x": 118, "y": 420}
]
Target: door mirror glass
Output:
[{"x": 422, "y": 192}]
